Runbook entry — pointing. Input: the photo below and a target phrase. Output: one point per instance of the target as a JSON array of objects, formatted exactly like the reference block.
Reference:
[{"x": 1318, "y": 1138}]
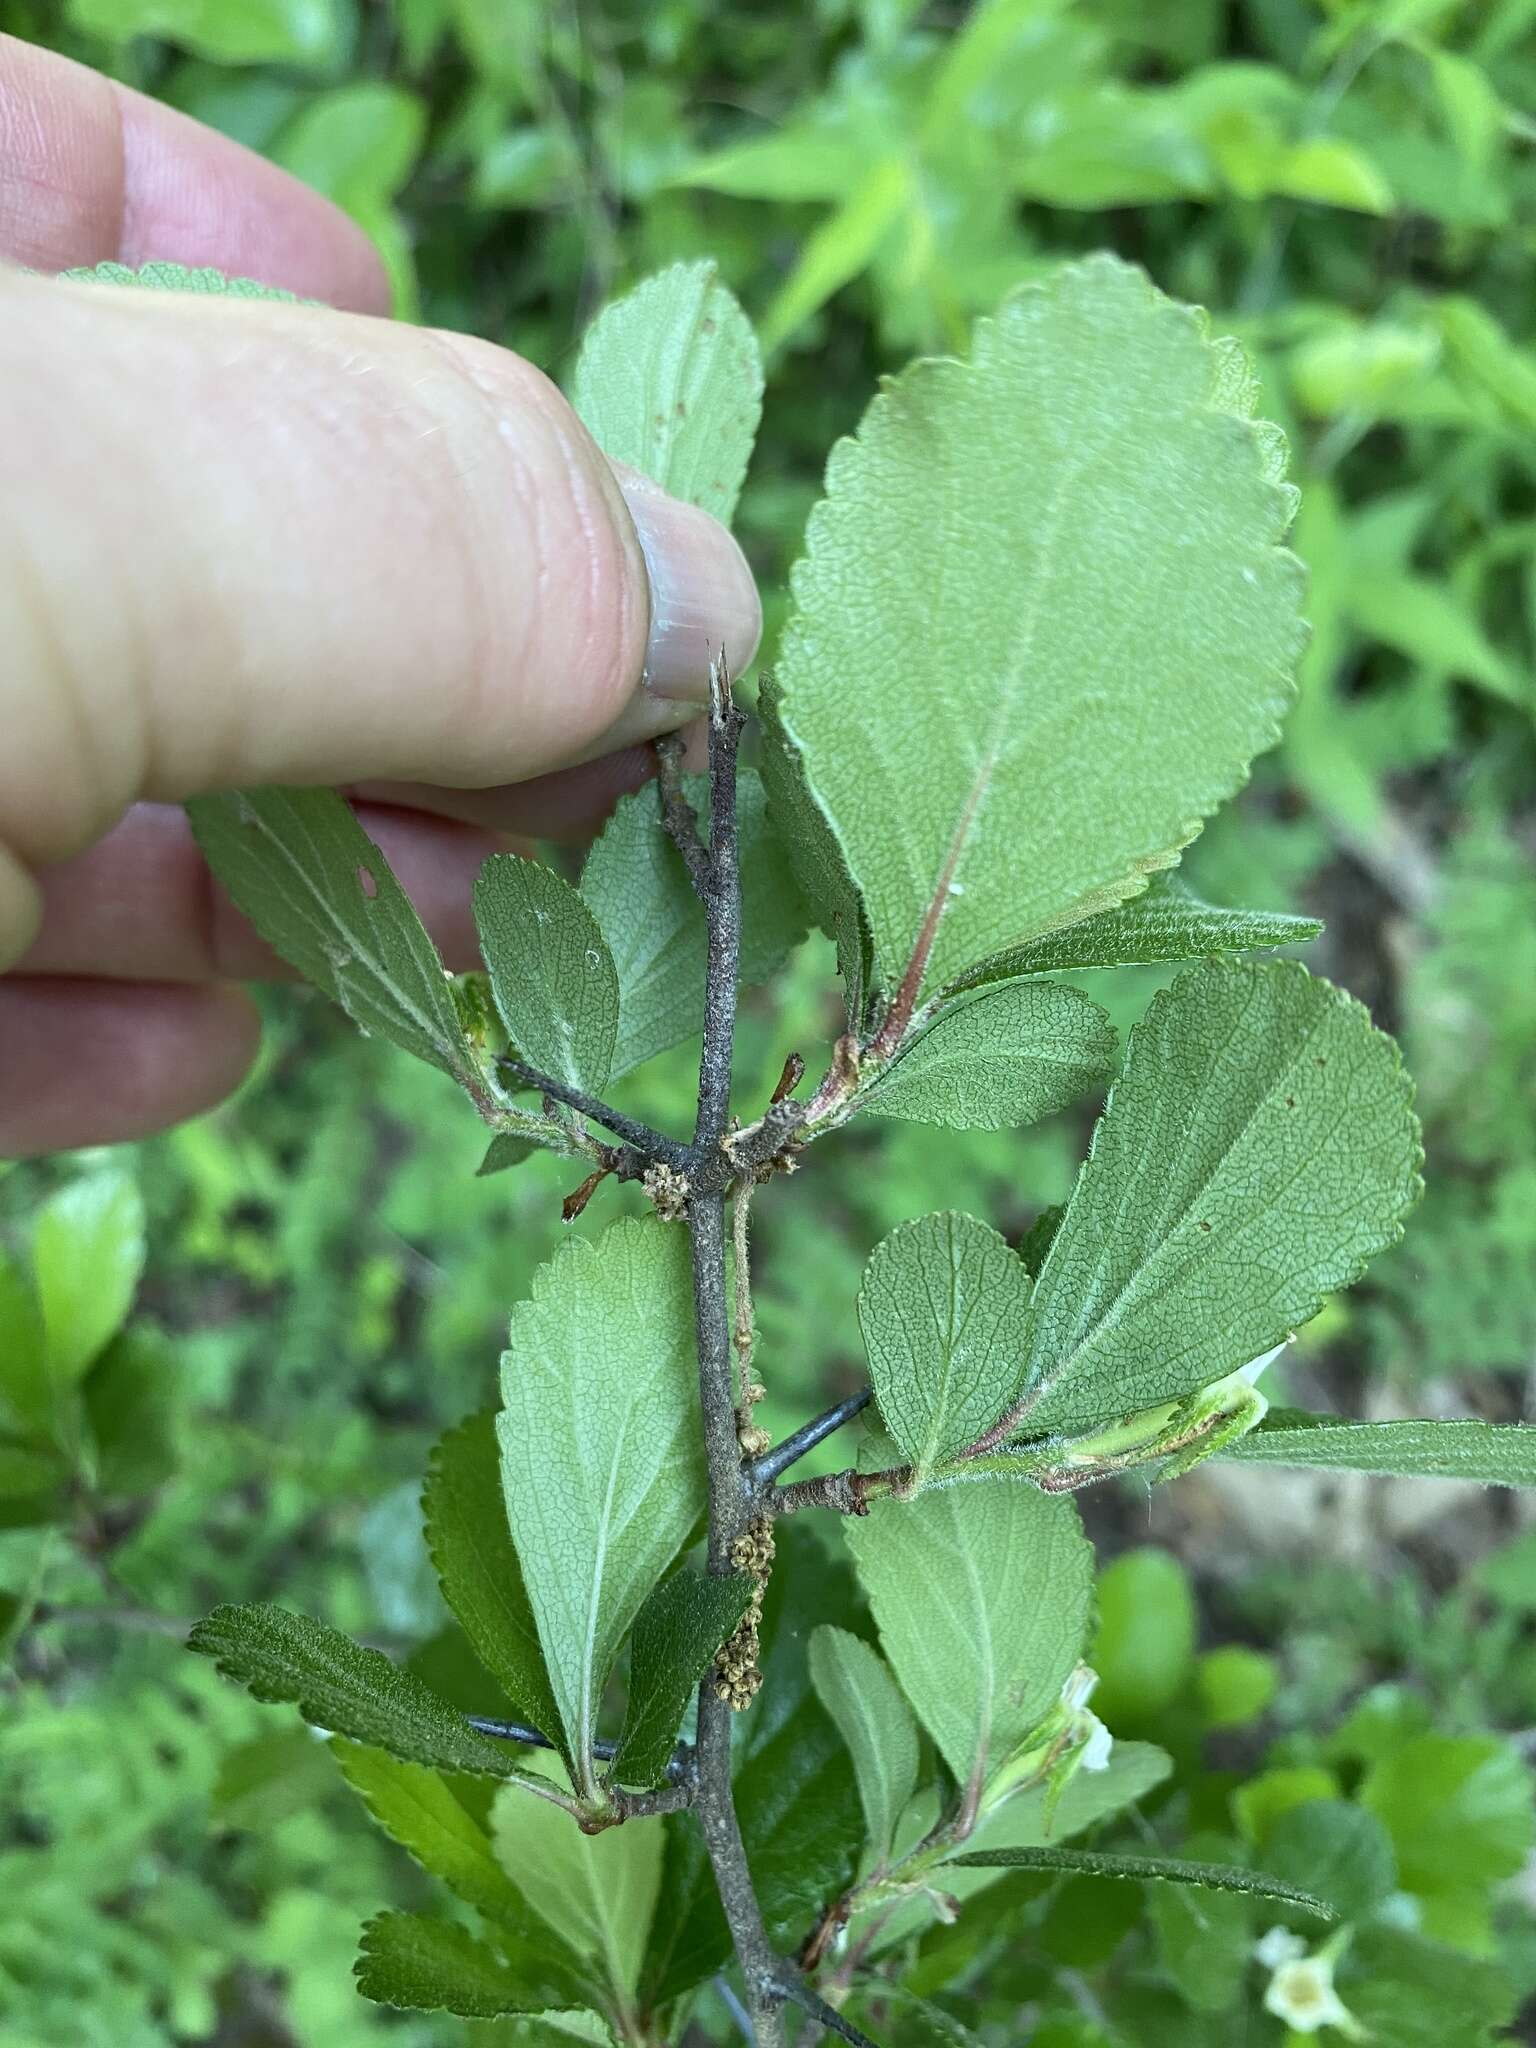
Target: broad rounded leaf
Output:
[
  {"x": 551, "y": 972},
  {"x": 944, "y": 1309},
  {"x": 670, "y": 381},
  {"x": 1007, "y": 1056},
  {"x": 1258, "y": 1150},
  {"x": 981, "y": 1594},
  {"x": 1043, "y": 622}
]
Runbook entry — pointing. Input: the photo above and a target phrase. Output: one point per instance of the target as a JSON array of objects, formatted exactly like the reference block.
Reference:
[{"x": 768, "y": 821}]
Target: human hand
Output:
[{"x": 246, "y": 542}]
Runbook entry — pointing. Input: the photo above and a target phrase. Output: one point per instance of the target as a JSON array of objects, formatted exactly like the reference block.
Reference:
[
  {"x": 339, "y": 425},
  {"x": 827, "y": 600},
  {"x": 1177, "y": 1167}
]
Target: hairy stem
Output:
[
  {"x": 714, "y": 1803},
  {"x": 653, "y": 1144}
]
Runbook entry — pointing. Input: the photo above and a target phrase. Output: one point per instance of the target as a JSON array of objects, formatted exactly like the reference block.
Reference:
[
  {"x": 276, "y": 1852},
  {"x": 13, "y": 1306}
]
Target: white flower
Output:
[
  {"x": 1096, "y": 1750},
  {"x": 1301, "y": 1993},
  {"x": 1277, "y": 1947}
]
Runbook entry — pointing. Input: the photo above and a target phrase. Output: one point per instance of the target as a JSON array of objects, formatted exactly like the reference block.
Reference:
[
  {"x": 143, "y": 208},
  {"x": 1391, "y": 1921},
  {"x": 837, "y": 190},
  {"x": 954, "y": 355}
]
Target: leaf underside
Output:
[
  {"x": 1489, "y": 1454},
  {"x": 1004, "y": 1057},
  {"x": 1041, "y": 575},
  {"x": 1220, "y": 1877}
]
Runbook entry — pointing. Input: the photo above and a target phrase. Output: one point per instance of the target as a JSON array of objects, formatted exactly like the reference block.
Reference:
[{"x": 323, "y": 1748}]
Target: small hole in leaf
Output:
[
  {"x": 1290, "y": 1102},
  {"x": 367, "y": 882},
  {"x": 1320, "y": 1061},
  {"x": 1205, "y": 1226}
]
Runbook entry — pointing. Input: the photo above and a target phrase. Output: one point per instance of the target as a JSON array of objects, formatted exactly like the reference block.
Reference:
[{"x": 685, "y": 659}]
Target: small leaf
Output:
[
  {"x": 854, "y": 1684},
  {"x": 87, "y": 1256},
  {"x": 1336, "y": 1850},
  {"x": 427, "y": 1965},
  {"x": 175, "y": 277},
  {"x": 1490, "y": 1454},
  {"x": 312, "y": 882},
  {"x": 1007, "y": 1056},
  {"x": 1060, "y": 559},
  {"x": 813, "y": 851},
  {"x": 944, "y": 1309},
  {"x": 28, "y": 1472},
  {"x": 981, "y": 1593},
  {"x": 677, "y": 1633},
  {"x": 339, "y": 1686},
  {"x": 505, "y": 1149},
  {"x": 1257, "y": 1151},
  {"x": 25, "y": 1388},
  {"x": 551, "y": 972},
  {"x": 1219, "y": 1877},
  {"x": 670, "y": 381},
  {"x": 600, "y": 1456},
  {"x": 637, "y": 888},
  {"x": 418, "y": 1808},
  {"x": 596, "y": 1892},
  {"x": 1168, "y": 921},
  {"x": 130, "y": 1403},
  {"x": 482, "y": 1581}
]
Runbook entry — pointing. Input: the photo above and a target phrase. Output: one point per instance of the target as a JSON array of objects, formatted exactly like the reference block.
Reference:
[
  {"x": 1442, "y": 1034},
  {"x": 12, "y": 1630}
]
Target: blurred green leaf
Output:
[
  {"x": 87, "y": 1257},
  {"x": 1338, "y": 1851},
  {"x": 306, "y": 32},
  {"x": 1145, "y": 1645},
  {"x": 131, "y": 1401},
  {"x": 1234, "y": 1685},
  {"x": 1458, "y": 1809},
  {"x": 356, "y": 144}
]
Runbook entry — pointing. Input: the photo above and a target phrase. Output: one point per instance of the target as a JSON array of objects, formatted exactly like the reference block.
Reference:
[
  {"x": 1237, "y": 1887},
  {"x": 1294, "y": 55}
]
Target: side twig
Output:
[
  {"x": 654, "y": 1145},
  {"x": 763, "y": 1471},
  {"x": 677, "y": 813}
]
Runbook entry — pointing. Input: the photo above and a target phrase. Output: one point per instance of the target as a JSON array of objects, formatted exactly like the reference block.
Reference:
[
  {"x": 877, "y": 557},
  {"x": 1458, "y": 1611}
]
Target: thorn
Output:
[
  {"x": 578, "y": 1199},
  {"x": 790, "y": 1079}
]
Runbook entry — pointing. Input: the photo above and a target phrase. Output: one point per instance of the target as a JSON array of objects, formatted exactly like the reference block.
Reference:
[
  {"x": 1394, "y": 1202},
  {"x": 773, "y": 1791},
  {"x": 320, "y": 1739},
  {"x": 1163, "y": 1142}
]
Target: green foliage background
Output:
[{"x": 1351, "y": 189}]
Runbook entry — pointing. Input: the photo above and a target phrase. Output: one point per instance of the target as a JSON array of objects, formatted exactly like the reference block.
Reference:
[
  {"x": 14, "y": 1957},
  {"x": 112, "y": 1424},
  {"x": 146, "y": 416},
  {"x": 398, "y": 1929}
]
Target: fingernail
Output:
[{"x": 703, "y": 598}]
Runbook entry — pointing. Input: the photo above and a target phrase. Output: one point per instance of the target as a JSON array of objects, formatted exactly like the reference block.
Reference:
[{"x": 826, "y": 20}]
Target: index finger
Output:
[{"x": 92, "y": 172}]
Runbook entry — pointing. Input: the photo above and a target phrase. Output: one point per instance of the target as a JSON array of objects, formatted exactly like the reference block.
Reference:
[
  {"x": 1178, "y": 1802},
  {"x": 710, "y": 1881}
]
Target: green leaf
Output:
[
  {"x": 1257, "y": 1151},
  {"x": 1036, "y": 1816},
  {"x": 812, "y": 847},
  {"x": 29, "y": 1471},
  {"x": 427, "y": 1965},
  {"x": 302, "y": 869},
  {"x": 1218, "y": 1877},
  {"x": 638, "y": 890},
  {"x": 1339, "y": 1851},
  {"x": 1144, "y": 1647},
  {"x": 670, "y": 381},
  {"x": 1435, "y": 630},
  {"x": 306, "y": 32},
  {"x": 505, "y": 1149},
  {"x": 1006, "y": 1056},
  {"x": 677, "y": 1633},
  {"x": 1168, "y": 921},
  {"x": 1204, "y": 1938},
  {"x": 1458, "y": 1809},
  {"x": 944, "y": 1309},
  {"x": 802, "y": 1826},
  {"x": 130, "y": 1403},
  {"x": 25, "y": 1388},
  {"x": 175, "y": 277},
  {"x": 471, "y": 1548},
  {"x": 87, "y": 1256},
  {"x": 339, "y": 1686},
  {"x": 600, "y": 1456},
  {"x": 1491, "y": 1454},
  {"x": 419, "y": 1808},
  {"x": 596, "y": 1892},
  {"x": 1066, "y": 550},
  {"x": 551, "y": 972},
  {"x": 1409, "y": 1993},
  {"x": 981, "y": 1594},
  {"x": 358, "y": 143},
  {"x": 854, "y": 1684}
]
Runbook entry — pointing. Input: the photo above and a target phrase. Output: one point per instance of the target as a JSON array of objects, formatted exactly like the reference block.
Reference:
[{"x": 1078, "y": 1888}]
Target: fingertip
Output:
[{"x": 102, "y": 1063}]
